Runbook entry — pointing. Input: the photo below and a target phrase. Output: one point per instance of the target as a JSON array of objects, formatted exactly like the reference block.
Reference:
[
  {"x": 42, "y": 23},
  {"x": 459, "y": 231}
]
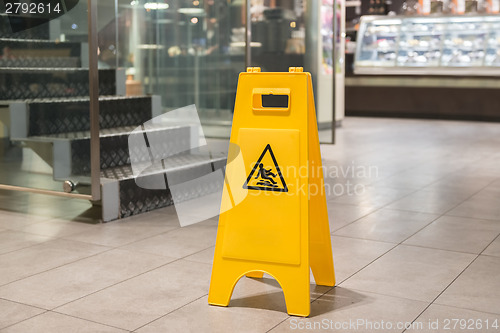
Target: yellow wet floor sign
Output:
[{"x": 273, "y": 212}]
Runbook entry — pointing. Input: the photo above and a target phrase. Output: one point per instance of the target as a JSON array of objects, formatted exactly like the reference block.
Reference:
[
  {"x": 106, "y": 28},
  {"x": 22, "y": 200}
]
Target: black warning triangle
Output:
[{"x": 265, "y": 184}]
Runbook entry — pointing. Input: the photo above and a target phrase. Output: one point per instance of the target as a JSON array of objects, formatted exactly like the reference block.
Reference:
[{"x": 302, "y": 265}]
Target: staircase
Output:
[{"x": 48, "y": 102}]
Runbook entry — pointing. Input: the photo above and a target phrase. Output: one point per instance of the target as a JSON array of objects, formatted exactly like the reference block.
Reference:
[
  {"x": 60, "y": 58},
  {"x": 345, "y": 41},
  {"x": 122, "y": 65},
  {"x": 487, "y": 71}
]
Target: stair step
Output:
[
  {"x": 179, "y": 163},
  {"x": 40, "y": 33},
  {"x": 74, "y": 150},
  {"x": 27, "y": 62},
  {"x": 46, "y": 117},
  {"x": 43, "y": 53},
  {"x": 30, "y": 83},
  {"x": 70, "y": 152},
  {"x": 133, "y": 199}
]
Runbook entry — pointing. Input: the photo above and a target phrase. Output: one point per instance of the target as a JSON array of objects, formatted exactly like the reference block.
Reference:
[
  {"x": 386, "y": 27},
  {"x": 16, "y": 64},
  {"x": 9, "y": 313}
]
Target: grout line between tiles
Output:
[
  {"x": 29, "y": 246},
  {"x": 456, "y": 307},
  {"x": 469, "y": 217},
  {"x": 281, "y": 322},
  {"x": 58, "y": 266},
  {"x": 481, "y": 254},
  {"x": 44, "y": 312},
  {"x": 435, "y": 298},
  {"x": 367, "y": 239},
  {"x": 92, "y": 321},
  {"x": 376, "y": 210},
  {"x": 32, "y": 306},
  {"x": 439, "y": 249},
  {"x": 392, "y": 296}
]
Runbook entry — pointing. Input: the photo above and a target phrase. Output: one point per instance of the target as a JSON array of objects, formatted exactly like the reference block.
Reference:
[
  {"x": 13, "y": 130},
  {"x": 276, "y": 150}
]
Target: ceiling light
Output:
[
  {"x": 192, "y": 11},
  {"x": 155, "y": 5}
]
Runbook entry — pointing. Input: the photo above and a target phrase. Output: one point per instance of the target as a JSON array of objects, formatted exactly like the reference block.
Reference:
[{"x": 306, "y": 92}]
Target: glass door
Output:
[{"x": 44, "y": 99}]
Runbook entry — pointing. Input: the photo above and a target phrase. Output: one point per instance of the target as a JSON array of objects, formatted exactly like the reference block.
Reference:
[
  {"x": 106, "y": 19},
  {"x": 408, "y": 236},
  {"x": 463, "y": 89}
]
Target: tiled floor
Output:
[{"x": 414, "y": 210}]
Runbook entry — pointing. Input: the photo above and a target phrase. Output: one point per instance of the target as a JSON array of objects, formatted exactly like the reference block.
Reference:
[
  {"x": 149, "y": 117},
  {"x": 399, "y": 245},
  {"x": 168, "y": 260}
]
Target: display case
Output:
[{"x": 429, "y": 45}]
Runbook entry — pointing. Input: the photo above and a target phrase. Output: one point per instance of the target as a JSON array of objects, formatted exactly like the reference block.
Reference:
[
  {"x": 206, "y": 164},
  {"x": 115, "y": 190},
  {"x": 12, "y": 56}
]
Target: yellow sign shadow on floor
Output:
[{"x": 280, "y": 224}]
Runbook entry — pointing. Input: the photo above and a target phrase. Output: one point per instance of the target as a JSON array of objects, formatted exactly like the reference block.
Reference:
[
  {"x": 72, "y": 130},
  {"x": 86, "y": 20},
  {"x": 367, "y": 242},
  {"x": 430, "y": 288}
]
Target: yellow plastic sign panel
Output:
[{"x": 273, "y": 213}]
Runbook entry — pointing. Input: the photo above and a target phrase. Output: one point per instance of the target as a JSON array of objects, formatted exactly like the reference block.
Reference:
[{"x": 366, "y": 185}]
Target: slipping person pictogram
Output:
[
  {"x": 265, "y": 179},
  {"x": 266, "y": 175}
]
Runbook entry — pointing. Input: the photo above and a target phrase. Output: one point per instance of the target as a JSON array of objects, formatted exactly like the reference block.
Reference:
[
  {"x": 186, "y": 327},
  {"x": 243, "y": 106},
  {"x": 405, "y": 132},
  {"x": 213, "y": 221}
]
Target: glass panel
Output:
[
  {"x": 186, "y": 52},
  {"x": 299, "y": 33},
  {"x": 44, "y": 89},
  {"x": 278, "y": 34}
]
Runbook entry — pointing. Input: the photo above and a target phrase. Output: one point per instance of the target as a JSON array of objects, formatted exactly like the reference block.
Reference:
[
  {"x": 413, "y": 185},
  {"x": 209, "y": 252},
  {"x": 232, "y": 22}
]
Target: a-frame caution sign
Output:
[
  {"x": 266, "y": 174},
  {"x": 273, "y": 216}
]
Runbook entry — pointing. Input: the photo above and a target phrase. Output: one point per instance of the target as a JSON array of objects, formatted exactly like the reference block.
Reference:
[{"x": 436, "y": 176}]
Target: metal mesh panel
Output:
[
  {"x": 31, "y": 83},
  {"x": 60, "y": 116},
  {"x": 136, "y": 200},
  {"x": 69, "y": 62},
  {"x": 115, "y": 150}
]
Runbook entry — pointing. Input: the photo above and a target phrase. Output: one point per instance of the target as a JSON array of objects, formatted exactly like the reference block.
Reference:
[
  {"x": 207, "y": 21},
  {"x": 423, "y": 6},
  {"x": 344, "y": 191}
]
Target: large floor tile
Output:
[
  {"x": 387, "y": 225},
  {"x": 166, "y": 211},
  {"x": 56, "y": 322},
  {"x": 89, "y": 215},
  {"x": 411, "y": 272},
  {"x": 373, "y": 196},
  {"x": 430, "y": 201},
  {"x": 410, "y": 180},
  {"x": 457, "y": 234},
  {"x": 15, "y": 220},
  {"x": 494, "y": 248},
  {"x": 201, "y": 317},
  {"x": 485, "y": 168},
  {"x": 11, "y": 312},
  {"x": 440, "y": 318},
  {"x": 57, "y": 228},
  {"x": 36, "y": 259},
  {"x": 178, "y": 243},
  {"x": 347, "y": 310},
  {"x": 483, "y": 205},
  {"x": 44, "y": 206},
  {"x": 129, "y": 230},
  {"x": 341, "y": 215},
  {"x": 478, "y": 288},
  {"x": 70, "y": 282},
  {"x": 205, "y": 256},
  {"x": 11, "y": 240},
  {"x": 351, "y": 254},
  {"x": 140, "y": 300},
  {"x": 161, "y": 217},
  {"x": 467, "y": 184}
]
